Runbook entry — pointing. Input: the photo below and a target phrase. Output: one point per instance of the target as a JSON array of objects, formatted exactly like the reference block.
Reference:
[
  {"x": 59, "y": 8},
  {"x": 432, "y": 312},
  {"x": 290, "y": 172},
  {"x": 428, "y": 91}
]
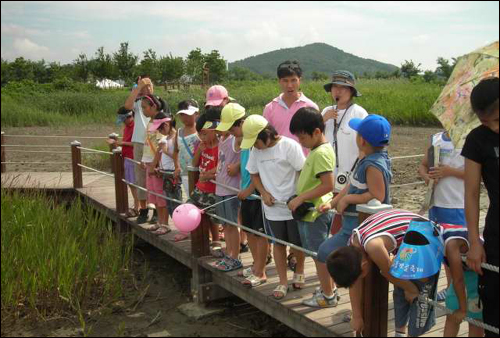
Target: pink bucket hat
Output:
[{"x": 215, "y": 95}]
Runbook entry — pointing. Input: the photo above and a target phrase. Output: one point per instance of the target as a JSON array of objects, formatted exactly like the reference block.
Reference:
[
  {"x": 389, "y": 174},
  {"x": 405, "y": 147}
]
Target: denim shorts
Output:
[
  {"x": 419, "y": 316},
  {"x": 228, "y": 210},
  {"x": 340, "y": 239},
  {"x": 313, "y": 234}
]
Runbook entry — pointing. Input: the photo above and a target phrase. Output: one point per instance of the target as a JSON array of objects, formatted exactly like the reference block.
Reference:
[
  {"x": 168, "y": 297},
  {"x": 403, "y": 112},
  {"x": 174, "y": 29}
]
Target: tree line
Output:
[
  {"x": 120, "y": 65},
  {"x": 125, "y": 66}
]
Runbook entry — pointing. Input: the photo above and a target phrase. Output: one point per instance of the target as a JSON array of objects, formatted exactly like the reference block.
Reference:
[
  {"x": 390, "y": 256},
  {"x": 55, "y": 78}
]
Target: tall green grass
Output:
[
  {"x": 57, "y": 258},
  {"x": 401, "y": 101}
]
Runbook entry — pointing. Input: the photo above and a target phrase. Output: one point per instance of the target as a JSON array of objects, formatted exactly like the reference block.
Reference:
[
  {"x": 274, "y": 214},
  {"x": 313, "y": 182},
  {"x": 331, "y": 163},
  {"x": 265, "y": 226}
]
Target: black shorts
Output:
[
  {"x": 251, "y": 215},
  {"x": 287, "y": 231}
]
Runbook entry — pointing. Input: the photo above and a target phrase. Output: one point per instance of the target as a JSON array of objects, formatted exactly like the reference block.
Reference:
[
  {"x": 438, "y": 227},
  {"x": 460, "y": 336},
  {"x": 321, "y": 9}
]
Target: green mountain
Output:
[{"x": 316, "y": 57}]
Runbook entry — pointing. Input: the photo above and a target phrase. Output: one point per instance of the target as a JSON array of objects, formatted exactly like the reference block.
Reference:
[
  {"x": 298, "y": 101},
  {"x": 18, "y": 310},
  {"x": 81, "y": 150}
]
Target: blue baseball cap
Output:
[
  {"x": 374, "y": 128},
  {"x": 421, "y": 253}
]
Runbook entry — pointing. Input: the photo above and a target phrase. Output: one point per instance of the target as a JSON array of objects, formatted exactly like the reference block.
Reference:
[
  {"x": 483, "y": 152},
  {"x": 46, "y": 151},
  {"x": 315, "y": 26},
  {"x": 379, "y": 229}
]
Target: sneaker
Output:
[
  {"x": 154, "y": 218},
  {"x": 319, "y": 300},
  {"x": 143, "y": 216},
  {"x": 441, "y": 296},
  {"x": 244, "y": 247}
]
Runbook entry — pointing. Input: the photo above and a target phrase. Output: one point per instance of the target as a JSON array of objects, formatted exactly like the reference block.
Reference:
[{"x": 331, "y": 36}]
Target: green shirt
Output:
[{"x": 320, "y": 160}]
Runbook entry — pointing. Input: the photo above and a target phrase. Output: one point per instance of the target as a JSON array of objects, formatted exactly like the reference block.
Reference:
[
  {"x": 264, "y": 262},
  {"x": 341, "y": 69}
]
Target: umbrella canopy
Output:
[{"x": 453, "y": 106}]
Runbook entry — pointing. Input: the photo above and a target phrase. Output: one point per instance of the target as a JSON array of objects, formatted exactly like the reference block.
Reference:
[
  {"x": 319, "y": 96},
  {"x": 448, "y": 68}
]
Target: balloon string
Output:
[{"x": 224, "y": 201}]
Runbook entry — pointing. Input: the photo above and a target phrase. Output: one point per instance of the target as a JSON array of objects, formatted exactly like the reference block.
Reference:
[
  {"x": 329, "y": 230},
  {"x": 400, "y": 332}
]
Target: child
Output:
[
  {"x": 481, "y": 152},
  {"x": 448, "y": 201},
  {"x": 217, "y": 96},
  {"x": 228, "y": 173},
  {"x": 280, "y": 111},
  {"x": 134, "y": 102},
  {"x": 418, "y": 261},
  {"x": 462, "y": 296},
  {"x": 373, "y": 241},
  {"x": 232, "y": 118},
  {"x": 315, "y": 185},
  {"x": 171, "y": 184},
  {"x": 370, "y": 180},
  {"x": 275, "y": 163},
  {"x": 154, "y": 107},
  {"x": 127, "y": 118},
  {"x": 186, "y": 140},
  {"x": 206, "y": 158}
]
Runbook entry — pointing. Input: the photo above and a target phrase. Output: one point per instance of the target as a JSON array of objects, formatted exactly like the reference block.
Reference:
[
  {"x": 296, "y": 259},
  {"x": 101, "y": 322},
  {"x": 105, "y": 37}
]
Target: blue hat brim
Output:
[{"x": 355, "y": 123}]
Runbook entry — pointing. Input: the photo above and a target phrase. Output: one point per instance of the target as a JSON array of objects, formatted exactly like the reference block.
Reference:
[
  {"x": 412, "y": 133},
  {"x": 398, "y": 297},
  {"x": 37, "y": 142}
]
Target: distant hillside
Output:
[{"x": 318, "y": 57}]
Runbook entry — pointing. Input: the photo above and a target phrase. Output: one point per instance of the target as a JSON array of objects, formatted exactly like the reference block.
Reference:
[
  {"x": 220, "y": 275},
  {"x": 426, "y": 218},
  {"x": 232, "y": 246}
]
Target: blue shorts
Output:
[
  {"x": 228, "y": 210},
  {"x": 445, "y": 215},
  {"x": 419, "y": 316},
  {"x": 474, "y": 308},
  {"x": 340, "y": 239},
  {"x": 313, "y": 234}
]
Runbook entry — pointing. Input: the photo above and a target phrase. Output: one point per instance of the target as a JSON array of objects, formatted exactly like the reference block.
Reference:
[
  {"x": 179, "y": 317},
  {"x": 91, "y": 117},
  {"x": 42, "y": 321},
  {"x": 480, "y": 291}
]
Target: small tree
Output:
[
  {"x": 125, "y": 62},
  {"x": 82, "y": 68},
  {"x": 409, "y": 69}
]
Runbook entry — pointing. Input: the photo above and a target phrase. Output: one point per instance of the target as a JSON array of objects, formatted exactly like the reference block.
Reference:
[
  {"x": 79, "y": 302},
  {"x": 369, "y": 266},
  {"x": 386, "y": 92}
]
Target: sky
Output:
[{"x": 386, "y": 31}]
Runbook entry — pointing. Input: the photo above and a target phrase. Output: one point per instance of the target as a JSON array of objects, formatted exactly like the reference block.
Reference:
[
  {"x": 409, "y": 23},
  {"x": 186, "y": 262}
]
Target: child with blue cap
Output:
[{"x": 371, "y": 179}]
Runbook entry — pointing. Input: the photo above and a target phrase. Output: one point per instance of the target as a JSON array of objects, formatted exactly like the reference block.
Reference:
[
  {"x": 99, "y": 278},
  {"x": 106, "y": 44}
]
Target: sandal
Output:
[
  {"x": 150, "y": 227},
  {"x": 163, "y": 230},
  {"x": 132, "y": 213},
  {"x": 248, "y": 272},
  {"x": 229, "y": 265},
  {"x": 292, "y": 261},
  {"x": 180, "y": 237},
  {"x": 269, "y": 259},
  {"x": 216, "y": 250},
  {"x": 283, "y": 289},
  {"x": 253, "y": 281},
  {"x": 298, "y": 281}
]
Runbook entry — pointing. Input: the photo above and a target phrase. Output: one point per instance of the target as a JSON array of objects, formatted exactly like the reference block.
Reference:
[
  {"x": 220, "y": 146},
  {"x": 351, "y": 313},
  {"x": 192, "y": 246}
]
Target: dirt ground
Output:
[{"x": 169, "y": 280}]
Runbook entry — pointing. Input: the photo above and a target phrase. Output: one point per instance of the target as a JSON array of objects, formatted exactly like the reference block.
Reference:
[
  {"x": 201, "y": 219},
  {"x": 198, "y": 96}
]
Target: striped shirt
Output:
[{"x": 391, "y": 223}]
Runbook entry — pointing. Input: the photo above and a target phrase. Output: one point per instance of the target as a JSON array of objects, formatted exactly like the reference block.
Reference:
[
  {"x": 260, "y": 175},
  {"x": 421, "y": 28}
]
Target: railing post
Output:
[
  {"x": 121, "y": 191},
  {"x": 76, "y": 159},
  {"x": 375, "y": 286},
  {"x": 112, "y": 147},
  {"x": 4, "y": 166},
  {"x": 200, "y": 247}
]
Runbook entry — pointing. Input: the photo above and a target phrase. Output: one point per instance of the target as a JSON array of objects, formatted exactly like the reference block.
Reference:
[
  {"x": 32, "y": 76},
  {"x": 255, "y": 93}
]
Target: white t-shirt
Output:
[
  {"x": 348, "y": 151},
  {"x": 279, "y": 169},
  {"x": 450, "y": 191},
  {"x": 167, "y": 162},
  {"x": 140, "y": 124}
]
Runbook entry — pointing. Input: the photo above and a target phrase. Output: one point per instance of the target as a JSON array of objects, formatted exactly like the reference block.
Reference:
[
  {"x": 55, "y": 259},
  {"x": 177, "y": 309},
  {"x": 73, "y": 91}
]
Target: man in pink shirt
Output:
[{"x": 279, "y": 112}]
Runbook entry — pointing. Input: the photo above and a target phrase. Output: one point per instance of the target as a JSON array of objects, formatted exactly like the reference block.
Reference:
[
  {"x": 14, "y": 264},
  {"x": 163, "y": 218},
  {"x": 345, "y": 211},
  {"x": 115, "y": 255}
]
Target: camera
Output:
[{"x": 341, "y": 181}]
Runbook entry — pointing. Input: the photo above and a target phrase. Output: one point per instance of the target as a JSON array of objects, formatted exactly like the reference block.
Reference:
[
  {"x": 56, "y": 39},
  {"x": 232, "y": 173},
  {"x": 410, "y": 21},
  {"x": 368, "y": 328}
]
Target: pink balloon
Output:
[{"x": 186, "y": 217}]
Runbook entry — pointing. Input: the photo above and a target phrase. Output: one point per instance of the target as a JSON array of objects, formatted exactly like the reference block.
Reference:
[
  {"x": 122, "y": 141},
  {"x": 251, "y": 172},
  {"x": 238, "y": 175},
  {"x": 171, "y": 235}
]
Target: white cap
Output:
[{"x": 190, "y": 111}]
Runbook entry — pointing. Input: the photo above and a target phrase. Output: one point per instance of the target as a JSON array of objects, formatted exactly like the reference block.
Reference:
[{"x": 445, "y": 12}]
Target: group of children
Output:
[{"x": 278, "y": 174}]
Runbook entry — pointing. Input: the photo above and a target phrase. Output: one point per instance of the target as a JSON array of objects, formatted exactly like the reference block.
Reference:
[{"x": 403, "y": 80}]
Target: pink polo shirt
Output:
[{"x": 280, "y": 116}]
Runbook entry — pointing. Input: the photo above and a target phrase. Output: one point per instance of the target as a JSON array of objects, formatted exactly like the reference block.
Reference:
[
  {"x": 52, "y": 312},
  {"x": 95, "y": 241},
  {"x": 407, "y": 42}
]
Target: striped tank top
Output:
[{"x": 391, "y": 223}]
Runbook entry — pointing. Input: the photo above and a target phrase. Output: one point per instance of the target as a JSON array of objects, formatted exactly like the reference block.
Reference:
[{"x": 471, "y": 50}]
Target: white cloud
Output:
[{"x": 28, "y": 49}]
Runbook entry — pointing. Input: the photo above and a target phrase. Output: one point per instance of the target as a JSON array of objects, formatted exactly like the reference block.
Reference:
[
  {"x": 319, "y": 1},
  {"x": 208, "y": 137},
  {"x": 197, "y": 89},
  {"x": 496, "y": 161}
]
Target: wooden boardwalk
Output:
[{"x": 99, "y": 191}]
